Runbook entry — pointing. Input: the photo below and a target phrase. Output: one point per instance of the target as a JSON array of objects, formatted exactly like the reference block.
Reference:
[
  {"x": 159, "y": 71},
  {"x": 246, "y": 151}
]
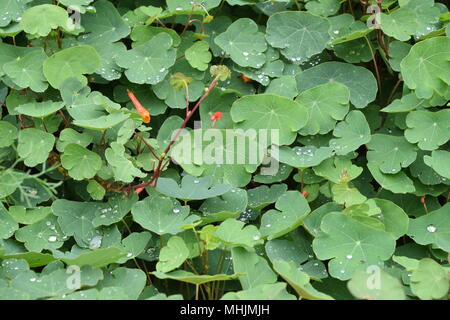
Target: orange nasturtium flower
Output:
[
  {"x": 145, "y": 115},
  {"x": 216, "y": 116},
  {"x": 245, "y": 78},
  {"x": 139, "y": 190}
]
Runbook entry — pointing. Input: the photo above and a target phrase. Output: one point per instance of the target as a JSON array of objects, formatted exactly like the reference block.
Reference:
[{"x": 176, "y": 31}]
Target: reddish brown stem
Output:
[
  {"x": 148, "y": 146},
  {"x": 161, "y": 164}
]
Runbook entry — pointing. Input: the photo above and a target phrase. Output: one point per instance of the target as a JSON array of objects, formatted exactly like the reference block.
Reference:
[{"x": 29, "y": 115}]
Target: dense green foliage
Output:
[{"x": 97, "y": 200}]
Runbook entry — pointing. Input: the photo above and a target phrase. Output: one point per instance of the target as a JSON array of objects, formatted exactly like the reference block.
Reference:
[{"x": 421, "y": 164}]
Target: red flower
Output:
[
  {"x": 145, "y": 115},
  {"x": 305, "y": 193},
  {"x": 216, "y": 116},
  {"x": 245, "y": 78},
  {"x": 139, "y": 190}
]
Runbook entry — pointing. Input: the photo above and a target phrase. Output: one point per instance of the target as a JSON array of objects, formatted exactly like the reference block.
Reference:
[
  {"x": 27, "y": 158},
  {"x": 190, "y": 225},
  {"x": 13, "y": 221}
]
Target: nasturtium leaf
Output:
[
  {"x": 288, "y": 250},
  {"x": 360, "y": 81},
  {"x": 338, "y": 170},
  {"x": 395, "y": 220},
  {"x": 175, "y": 97},
  {"x": 114, "y": 210},
  {"x": 40, "y": 20},
  {"x": 432, "y": 228},
  {"x": 282, "y": 173},
  {"x": 34, "y": 259},
  {"x": 391, "y": 153},
  {"x": 256, "y": 269},
  {"x": 299, "y": 35},
  {"x": 172, "y": 255},
  {"x": 260, "y": 197},
  {"x": 351, "y": 245},
  {"x": 191, "y": 188},
  {"x": 108, "y": 52},
  {"x": 40, "y": 109},
  {"x": 75, "y": 219},
  {"x": 299, "y": 280},
  {"x": 8, "y": 134},
  {"x": 344, "y": 28},
  {"x": 399, "y": 24},
  {"x": 44, "y": 234},
  {"x": 11, "y": 10},
  {"x": 189, "y": 277},
  {"x": 427, "y": 14},
  {"x": 397, "y": 183},
  {"x": 10, "y": 180},
  {"x": 122, "y": 167},
  {"x": 71, "y": 62},
  {"x": 11, "y": 53},
  {"x": 292, "y": 208},
  {"x": 235, "y": 233},
  {"x": 149, "y": 62},
  {"x": 428, "y": 129},
  {"x": 430, "y": 280},
  {"x": 52, "y": 282},
  {"x": 424, "y": 172},
  {"x": 407, "y": 103},
  {"x": 301, "y": 157},
  {"x": 313, "y": 220},
  {"x": 351, "y": 133},
  {"x": 70, "y": 136},
  {"x": 161, "y": 215},
  {"x": 376, "y": 285},
  {"x": 273, "y": 291},
  {"x": 78, "y": 3},
  {"x": 142, "y": 34},
  {"x": 397, "y": 51},
  {"x": 346, "y": 195},
  {"x": 29, "y": 215},
  {"x": 198, "y": 55},
  {"x": 181, "y": 5},
  {"x": 424, "y": 68},
  {"x": 439, "y": 161},
  {"x": 34, "y": 146},
  {"x": 266, "y": 111},
  {"x": 131, "y": 281},
  {"x": 354, "y": 51},
  {"x": 8, "y": 225},
  {"x": 323, "y": 7},
  {"x": 220, "y": 159},
  {"x": 244, "y": 43},
  {"x": 26, "y": 72},
  {"x": 105, "y": 25},
  {"x": 80, "y": 162},
  {"x": 272, "y": 68},
  {"x": 222, "y": 207},
  {"x": 285, "y": 86},
  {"x": 326, "y": 104}
]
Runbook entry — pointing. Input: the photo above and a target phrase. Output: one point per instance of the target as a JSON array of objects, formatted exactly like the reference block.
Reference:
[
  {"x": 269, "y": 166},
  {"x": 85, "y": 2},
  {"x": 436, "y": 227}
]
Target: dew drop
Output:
[
  {"x": 52, "y": 238},
  {"x": 176, "y": 210},
  {"x": 95, "y": 243},
  {"x": 349, "y": 256},
  {"x": 431, "y": 228}
]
